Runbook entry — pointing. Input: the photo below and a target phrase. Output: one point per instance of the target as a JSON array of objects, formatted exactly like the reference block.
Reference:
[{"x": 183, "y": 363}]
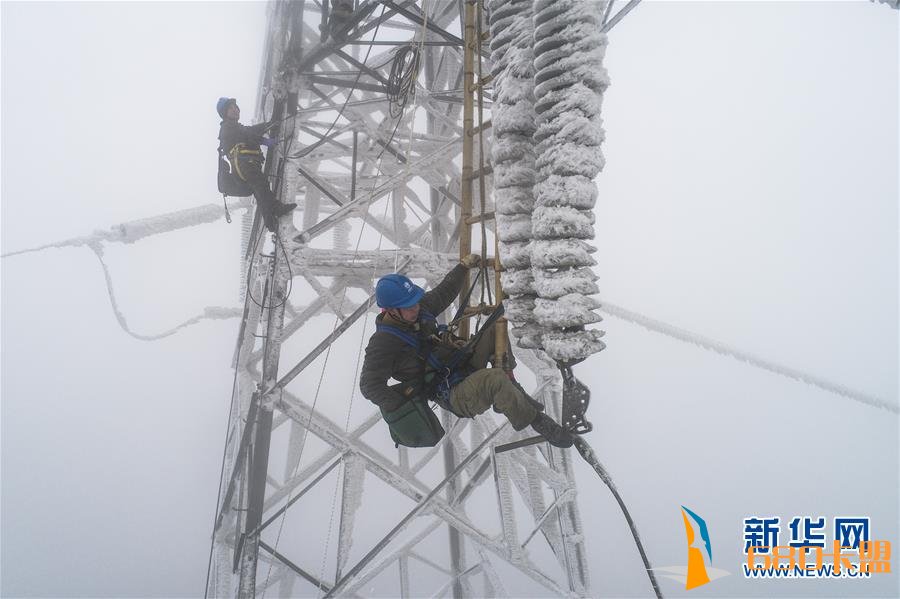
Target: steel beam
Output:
[
  {"x": 609, "y": 24},
  {"x": 414, "y": 14},
  {"x": 262, "y": 431},
  {"x": 412, "y": 514},
  {"x": 319, "y": 584},
  {"x": 354, "y": 84}
]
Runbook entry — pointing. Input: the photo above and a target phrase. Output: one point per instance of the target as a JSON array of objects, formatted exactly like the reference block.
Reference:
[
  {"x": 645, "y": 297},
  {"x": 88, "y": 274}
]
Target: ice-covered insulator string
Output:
[
  {"x": 513, "y": 157},
  {"x": 569, "y": 81}
]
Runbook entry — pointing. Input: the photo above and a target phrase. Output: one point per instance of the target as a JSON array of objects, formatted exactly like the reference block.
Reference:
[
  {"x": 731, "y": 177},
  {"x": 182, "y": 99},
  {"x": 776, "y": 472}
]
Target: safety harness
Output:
[
  {"x": 414, "y": 424},
  {"x": 444, "y": 375},
  {"x": 231, "y": 181},
  {"x": 241, "y": 149}
]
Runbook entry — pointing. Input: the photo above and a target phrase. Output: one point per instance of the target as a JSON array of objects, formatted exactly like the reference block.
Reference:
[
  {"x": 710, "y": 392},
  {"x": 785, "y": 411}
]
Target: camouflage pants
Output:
[{"x": 490, "y": 388}]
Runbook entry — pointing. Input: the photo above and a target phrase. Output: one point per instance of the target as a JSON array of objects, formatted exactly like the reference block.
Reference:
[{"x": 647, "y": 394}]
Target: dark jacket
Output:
[
  {"x": 232, "y": 132},
  {"x": 389, "y": 356}
]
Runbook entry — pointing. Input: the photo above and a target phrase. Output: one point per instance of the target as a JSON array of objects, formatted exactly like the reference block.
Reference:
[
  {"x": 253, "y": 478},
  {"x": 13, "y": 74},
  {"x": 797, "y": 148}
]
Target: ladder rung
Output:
[
  {"x": 478, "y": 218},
  {"x": 476, "y": 130},
  {"x": 486, "y": 80},
  {"x": 479, "y": 173},
  {"x": 473, "y": 310}
]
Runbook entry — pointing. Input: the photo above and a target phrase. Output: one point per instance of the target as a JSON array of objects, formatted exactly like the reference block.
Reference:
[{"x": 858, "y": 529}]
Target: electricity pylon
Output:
[{"x": 379, "y": 158}]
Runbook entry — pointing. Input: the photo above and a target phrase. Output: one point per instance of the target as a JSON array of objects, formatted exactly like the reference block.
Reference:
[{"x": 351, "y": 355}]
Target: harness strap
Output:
[
  {"x": 447, "y": 371},
  {"x": 236, "y": 150},
  {"x": 411, "y": 341}
]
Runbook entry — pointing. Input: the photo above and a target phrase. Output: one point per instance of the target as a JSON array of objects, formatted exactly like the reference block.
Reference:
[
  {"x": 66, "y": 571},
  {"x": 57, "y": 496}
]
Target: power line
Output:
[
  {"x": 209, "y": 313},
  {"x": 709, "y": 344}
]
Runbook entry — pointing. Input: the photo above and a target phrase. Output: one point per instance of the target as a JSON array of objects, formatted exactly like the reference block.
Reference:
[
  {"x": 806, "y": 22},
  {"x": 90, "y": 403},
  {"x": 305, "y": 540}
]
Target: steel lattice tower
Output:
[{"x": 409, "y": 181}]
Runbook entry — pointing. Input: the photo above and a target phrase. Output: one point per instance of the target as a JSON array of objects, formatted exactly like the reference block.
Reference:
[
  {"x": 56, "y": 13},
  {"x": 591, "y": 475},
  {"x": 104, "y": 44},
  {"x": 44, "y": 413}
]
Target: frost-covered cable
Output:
[
  {"x": 569, "y": 83},
  {"x": 720, "y": 348},
  {"x": 209, "y": 313},
  {"x": 132, "y": 231},
  {"x": 512, "y": 154}
]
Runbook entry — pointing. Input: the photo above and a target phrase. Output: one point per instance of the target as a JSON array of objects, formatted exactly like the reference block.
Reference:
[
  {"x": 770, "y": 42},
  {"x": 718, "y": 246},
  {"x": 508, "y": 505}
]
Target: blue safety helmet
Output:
[
  {"x": 397, "y": 291},
  {"x": 222, "y": 105}
]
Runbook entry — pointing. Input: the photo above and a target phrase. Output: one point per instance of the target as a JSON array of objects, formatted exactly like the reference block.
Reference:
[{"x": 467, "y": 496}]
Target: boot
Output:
[
  {"x": 556, "y": 435},
  {"x": 282, "y": 209}
]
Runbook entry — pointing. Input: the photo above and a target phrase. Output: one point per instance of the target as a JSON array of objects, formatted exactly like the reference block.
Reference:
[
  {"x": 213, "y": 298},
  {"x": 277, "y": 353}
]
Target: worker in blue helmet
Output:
[
  {"x": 410, "y": 347},
  {"x": 242, "y": 146}
]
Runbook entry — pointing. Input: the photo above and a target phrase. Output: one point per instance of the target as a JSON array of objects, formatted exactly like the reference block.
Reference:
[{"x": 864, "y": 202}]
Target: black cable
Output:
[
  {"x": 590, "y": 457},
  {"x": 290, "y": 287},
  {"x": 401, "y": 80}
]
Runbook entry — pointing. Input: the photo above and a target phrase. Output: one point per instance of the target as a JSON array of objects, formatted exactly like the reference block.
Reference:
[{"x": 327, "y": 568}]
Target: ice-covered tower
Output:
[{"x": 367, "y": 155}]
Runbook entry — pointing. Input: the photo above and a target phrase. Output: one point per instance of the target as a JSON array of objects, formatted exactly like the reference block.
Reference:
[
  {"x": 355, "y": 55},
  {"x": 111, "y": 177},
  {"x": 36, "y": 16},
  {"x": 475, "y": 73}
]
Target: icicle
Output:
[
  {"x": 351, "y": 499},
  {"x": 341, "y": 235}
]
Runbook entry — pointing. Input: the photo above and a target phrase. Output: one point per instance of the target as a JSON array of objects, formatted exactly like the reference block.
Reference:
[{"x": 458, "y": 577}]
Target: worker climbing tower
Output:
[
  {"x": 385, "y": 143},
  {"x": 380, "y": 109}
]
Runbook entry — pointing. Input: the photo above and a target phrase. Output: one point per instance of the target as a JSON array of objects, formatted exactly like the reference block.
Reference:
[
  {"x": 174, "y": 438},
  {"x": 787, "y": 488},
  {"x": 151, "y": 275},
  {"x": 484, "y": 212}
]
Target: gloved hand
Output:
[
  {"x": 268, "y": 142},
  {"x": 471, "y": 261}
]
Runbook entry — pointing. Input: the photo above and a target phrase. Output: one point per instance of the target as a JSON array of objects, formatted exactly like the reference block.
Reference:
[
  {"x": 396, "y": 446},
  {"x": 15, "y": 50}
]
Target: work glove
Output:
[
  {"x": 471, "y": 261},
  {"x": 268, "y": 142}
]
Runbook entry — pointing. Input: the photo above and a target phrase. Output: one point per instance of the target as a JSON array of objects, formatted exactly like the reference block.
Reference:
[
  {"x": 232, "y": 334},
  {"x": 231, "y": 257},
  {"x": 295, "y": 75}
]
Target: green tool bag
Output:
[{"x": 413, "y": 424}]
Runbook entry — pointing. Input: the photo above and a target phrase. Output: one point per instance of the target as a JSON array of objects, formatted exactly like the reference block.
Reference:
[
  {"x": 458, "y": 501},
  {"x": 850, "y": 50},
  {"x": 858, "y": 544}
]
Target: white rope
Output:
[{"x": 725, "y": 350}]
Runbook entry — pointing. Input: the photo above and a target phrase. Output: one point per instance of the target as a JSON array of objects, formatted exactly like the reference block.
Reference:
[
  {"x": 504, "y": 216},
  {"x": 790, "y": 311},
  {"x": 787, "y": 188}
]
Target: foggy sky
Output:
[{"x": 750, "y": 195}]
